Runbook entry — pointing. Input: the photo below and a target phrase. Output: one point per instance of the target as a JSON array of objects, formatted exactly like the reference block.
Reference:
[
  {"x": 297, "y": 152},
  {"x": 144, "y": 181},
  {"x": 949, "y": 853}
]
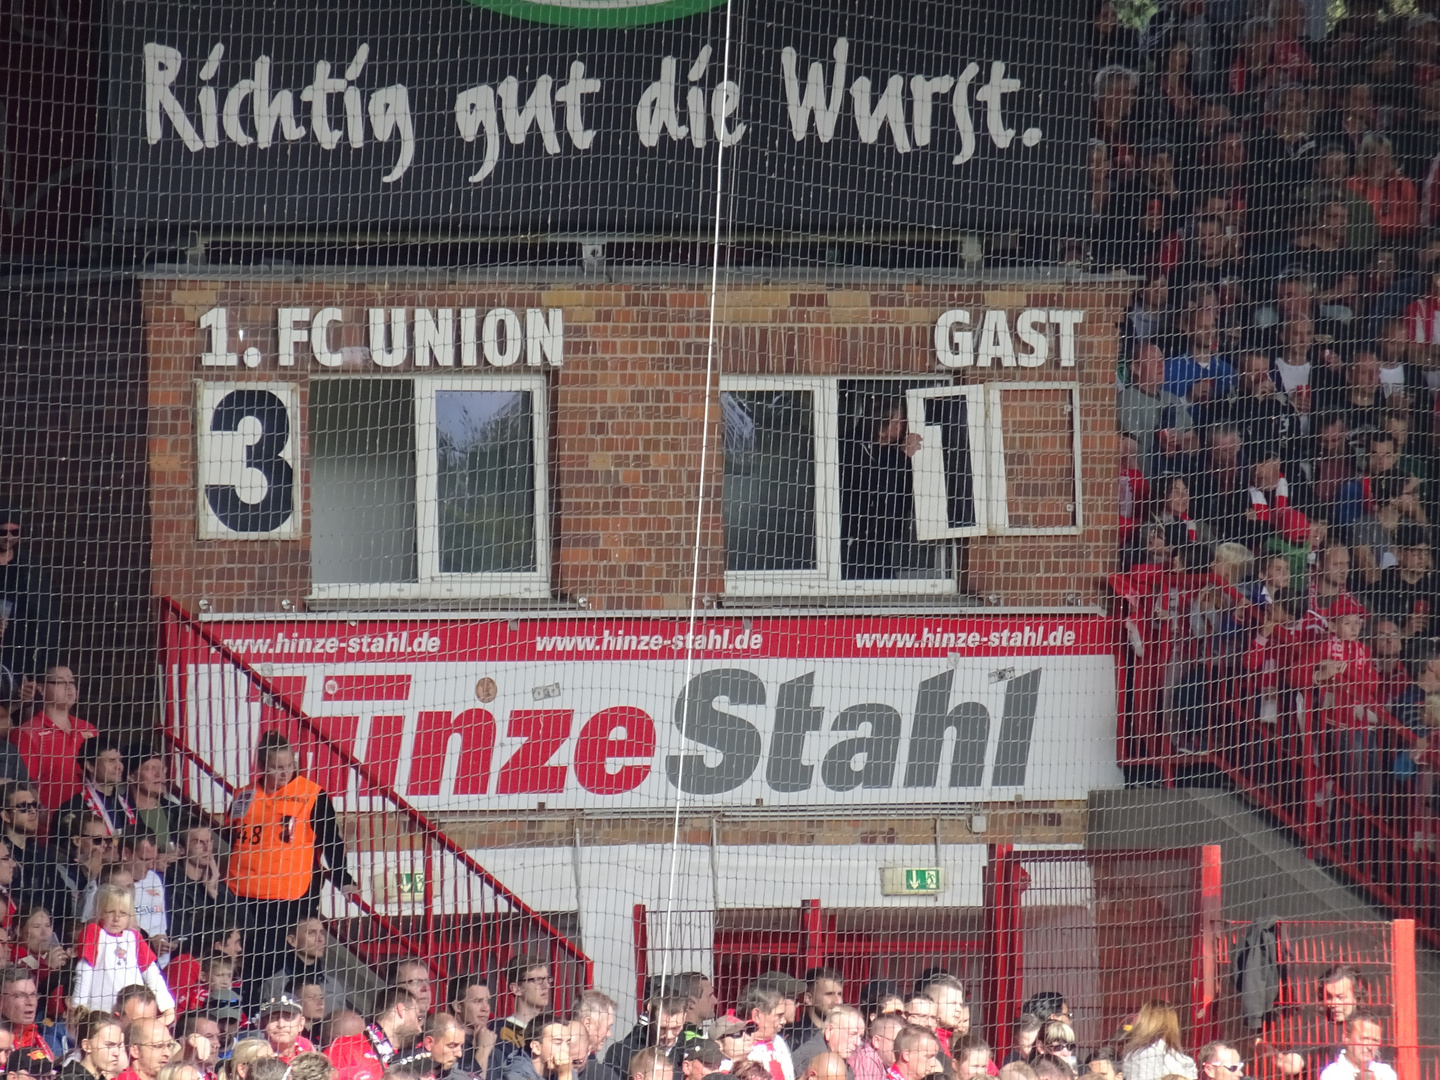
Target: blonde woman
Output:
[
  {"x": 1154, "y": 1050},
  {"x": 245, "y": 1054}
]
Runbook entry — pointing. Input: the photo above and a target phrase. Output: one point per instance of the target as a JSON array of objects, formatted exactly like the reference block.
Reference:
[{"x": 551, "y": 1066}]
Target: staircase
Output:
[{"x": 420, "y": 892}]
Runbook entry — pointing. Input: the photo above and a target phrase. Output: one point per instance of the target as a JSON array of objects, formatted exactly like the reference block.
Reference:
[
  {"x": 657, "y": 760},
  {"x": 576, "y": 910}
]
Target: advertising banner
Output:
[
  {"x": 624, "y": 713},
  {"x": 499, "y": 116}
]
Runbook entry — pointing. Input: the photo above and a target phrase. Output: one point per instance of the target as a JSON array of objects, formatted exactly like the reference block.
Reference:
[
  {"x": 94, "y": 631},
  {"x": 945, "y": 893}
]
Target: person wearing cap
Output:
[
  {"x": 699, "y": 1058},
  {"x": 283, "y": 1022},
  {"x": 366, "y": 1055},
  {"x": 734, "y": 1037}
]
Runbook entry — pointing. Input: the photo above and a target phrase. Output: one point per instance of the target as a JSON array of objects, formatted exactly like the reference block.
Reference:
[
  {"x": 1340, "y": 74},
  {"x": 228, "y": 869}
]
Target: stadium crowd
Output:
[{"x": 1277, "y": 188}]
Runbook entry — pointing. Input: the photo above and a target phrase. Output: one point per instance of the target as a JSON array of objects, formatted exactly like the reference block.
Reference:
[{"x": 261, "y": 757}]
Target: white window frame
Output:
[
  {"x": 432, "y": 584},
  {"x": 825, "y": 579},
  {"x": 932, "y": 516},
  {"x": 999, "y": 497}
]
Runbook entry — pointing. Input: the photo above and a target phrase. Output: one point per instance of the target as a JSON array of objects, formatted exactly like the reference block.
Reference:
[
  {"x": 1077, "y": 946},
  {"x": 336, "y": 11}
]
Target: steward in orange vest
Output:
[{"x": 281, "y": 836}]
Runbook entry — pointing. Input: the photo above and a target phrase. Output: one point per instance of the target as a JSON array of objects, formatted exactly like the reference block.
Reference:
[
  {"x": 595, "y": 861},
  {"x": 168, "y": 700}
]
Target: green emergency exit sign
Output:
[{"x": 911, "y": 880}]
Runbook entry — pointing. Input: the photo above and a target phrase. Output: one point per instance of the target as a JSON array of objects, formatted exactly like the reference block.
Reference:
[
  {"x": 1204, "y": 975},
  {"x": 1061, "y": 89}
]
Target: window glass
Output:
[
  {"x": 485, "y": 481},
  {"x": 362, "y": 481},
  {"x": 769, "y": 479},
  {"x": 877, "y": 494}
]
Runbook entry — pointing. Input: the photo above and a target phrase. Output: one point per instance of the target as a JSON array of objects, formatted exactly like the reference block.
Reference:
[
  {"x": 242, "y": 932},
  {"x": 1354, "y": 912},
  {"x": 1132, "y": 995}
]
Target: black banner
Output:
[{"x": 501, "y": 117}]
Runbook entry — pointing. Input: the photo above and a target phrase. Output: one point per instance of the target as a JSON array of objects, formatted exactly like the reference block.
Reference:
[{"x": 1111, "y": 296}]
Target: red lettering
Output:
[
  {"x": 599, "y": 744},
  {"x": 326, "y": 768},
  {"x": 433, "y": 731},
  {"x": 528, "y": 772},
  {"x": 382, "y": 750}
]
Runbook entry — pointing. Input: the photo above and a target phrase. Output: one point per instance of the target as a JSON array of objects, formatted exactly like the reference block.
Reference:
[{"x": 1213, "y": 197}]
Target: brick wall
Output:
[{"x": 627, "y": 414}]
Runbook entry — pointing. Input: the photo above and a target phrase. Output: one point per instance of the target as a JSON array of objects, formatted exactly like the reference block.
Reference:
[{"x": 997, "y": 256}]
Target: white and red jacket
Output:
[{"x": 107, "y": 963}]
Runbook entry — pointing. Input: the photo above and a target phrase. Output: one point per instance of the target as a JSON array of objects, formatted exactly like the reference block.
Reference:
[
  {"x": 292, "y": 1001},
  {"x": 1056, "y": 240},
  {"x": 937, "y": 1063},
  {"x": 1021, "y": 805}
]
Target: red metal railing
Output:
[
  {"x": 424, "y": 892},
  {"x": 1327, "y": 774}
]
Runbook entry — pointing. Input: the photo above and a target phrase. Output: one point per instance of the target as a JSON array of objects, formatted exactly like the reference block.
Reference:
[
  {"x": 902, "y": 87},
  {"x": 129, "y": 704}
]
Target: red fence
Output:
[
  {"x": 1340, "y": 777},
  {"x": 420, "y": 891}
]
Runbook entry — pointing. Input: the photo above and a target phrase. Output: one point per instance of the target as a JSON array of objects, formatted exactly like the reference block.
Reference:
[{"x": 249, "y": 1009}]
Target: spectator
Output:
[
  {"x": 1200, "y": 373},
  {"x": 877, "y": 998},
  {"x": 311, "y": 1065},
  {"x": 1390, "y": 193},
  {"x": 1220, "y": 1061},
  {"x": 140, "y": 851},
  {"x": 1153, "y": 416},
  {"x": 305, "y": 961},
  {"x": 101, "y": 1041},
  {"x": 49, "y": 742},
  {"x": 1024, "y": 1032},
  {"x": 915, "y": 1052},
  {"x": 1148, "y": 321},
  {"x": 285, "y": 840},
  {"x": 38, "y": 948},
  {"x": 283, "y": 1022},
  {"x": 698, "y": 1059},
  {"x": 365, "y": 1056},
  {"x": 32, "y": 637},
  {"x": 202, "y": 975},
  {"x": 444, "y": 1041},
  {"x": 948, "y": 994},
  {"x": 827, "y": 1067},
  {"x": 874, "y": 1057},
  {"x": 1360, "y": 1056},
  {"x": 1058, "y": 1038},
  {"x": 824, "y": 989},
  {"x": 1153, "y": 1049},
  {"x": 1382, "y": 480},
  {"x": 1267, "y": 421},
  {"x": 12, "y": 765},
  {"x": 472, "y": 1001},
  {"x": 36, "y": 879},
  {"x": 150, "y": 1047},
  {"x": 110, "y": 955},
  {"x": 311, "y": 996},
  {"x": 664, "y": 1020},
  {"x": 651, "y": 1064},
  {"x": 547, "y": 1053},
  {"x": 1050, "y": 1067},
  {"x": 414, "y": 975},
  {"x": 1339, "y": 993},
  {"x": 595, "y": 1013},
  {"x": 971, "y": 1055},
  {"x": 19, "y": 1007},
  {"x": 764, "y": 1006},
  {"x": 1102, "y": 1063},
  {"x": 530, "y": 985},
  {"x": 102, "y": 792},
  {"x": 246, "y": 1053},
  {"x": 136, "y": 1002},
  {"x": 840, "y": 1033},
  {"x": 199, "y": 1039},
  {"x": 156, "y": 807},
  {"x": 195, "y": 890}
]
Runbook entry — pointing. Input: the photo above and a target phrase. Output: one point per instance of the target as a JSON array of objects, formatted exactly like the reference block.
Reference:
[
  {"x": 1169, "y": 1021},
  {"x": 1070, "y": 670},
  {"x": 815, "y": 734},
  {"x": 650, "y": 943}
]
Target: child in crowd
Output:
[{"x": 111, "y": 955}]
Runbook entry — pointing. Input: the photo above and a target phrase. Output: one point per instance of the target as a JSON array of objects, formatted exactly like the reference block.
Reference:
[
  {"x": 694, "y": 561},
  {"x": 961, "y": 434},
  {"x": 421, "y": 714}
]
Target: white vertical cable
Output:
[{"x": 702, "y": 494}]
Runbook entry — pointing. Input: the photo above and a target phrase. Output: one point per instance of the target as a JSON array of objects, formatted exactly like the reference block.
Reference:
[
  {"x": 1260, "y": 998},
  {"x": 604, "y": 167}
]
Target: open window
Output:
[
  {"x": 428, "y": 488},
  {"x": 998, "y": 459}
]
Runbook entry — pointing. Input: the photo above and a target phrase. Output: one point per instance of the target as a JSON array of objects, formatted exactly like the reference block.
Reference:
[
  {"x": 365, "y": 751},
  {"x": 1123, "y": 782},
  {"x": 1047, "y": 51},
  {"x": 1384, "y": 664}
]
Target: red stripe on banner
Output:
[{"x": 367, "y": 688}]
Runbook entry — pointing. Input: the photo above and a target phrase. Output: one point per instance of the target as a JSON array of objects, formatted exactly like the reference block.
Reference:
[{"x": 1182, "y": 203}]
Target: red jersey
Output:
[
  {"x": 1422, "y": 318},
  {"x": 187, "y": 983},
  {"x": 49, "y": 755},
  {"x": 302, "y": 1046},
  {"x": 1353, "y": 688},
  {"x": 361, "y": 1057}
]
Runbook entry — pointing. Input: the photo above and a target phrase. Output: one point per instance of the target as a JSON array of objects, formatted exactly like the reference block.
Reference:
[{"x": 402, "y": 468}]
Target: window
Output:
[
  {"x": 428, "y": 488},
  {"x": 861, "y": 486}
]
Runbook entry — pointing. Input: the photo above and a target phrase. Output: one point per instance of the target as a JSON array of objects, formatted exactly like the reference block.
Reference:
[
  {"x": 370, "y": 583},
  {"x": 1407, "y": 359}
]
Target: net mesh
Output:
[{"x": 814, "y": 539}]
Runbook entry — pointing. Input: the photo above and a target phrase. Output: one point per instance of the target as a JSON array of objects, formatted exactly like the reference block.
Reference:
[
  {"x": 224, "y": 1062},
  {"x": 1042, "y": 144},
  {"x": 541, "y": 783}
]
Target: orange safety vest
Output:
[{"x": 274, "y": 853}]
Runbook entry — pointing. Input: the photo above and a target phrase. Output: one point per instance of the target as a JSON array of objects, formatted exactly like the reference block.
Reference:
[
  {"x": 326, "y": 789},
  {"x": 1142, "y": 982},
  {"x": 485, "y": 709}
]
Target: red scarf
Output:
[{"x": 1261, "y": 505}]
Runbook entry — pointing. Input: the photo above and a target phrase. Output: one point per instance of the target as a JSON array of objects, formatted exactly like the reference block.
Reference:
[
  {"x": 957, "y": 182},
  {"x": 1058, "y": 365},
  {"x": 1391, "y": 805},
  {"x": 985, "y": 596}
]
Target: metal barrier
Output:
[
  {"x": 420, "y": 891},
  {"x": 1327, "y": 773}
]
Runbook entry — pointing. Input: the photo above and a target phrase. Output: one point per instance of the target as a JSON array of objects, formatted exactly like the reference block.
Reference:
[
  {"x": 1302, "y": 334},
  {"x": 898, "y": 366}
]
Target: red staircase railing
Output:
[
  {"x": 422, "y": 892},
  {"x": 1331, "y": 779}
]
